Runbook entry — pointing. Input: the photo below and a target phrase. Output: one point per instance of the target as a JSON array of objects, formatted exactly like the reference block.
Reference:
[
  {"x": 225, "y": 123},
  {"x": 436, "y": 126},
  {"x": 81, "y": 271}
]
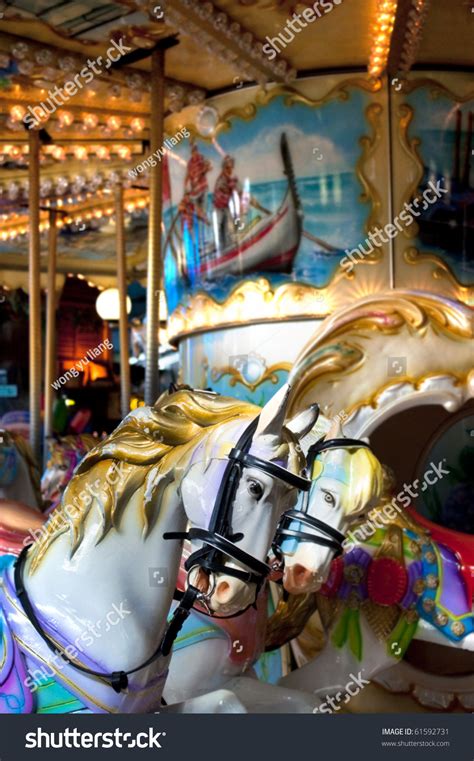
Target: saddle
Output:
[
  {"x": 406, "y": 577},
  {"x": 461, "y": 544},
  {"x": 15, "y": 696}
]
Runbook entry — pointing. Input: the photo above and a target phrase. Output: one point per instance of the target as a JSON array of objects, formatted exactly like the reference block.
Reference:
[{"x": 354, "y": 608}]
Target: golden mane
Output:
[{"x": 155, "y": 441}]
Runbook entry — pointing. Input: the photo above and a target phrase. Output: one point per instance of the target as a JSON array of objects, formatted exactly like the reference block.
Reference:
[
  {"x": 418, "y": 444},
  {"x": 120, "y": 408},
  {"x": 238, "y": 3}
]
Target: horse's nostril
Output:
[
  {"x": 223, "y": 590},
  {"x": 300, "y": 572},
  {"x": 201, "y": 581}
]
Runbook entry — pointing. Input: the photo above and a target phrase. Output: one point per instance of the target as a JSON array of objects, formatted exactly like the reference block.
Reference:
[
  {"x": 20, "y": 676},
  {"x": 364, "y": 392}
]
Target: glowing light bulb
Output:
[
  {"x": 114, "y": 122},
  {"x": 58, "y": 153},
  {"x": 102, "y": 152},
  {"x": 65, "y": 118},
  {"x": 80, "y": 152},
  {"x": 90, "y": 121},
  {"x": 137, "y": 125},
  {"x": 124, "y": 152},
  {"x": 17, "y": 113}
]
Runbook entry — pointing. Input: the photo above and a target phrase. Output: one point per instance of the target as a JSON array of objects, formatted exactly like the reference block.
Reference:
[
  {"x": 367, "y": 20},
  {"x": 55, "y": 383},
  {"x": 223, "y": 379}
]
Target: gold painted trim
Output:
[
  {"x": 461, "y": 379},
  {"x": 4, "y": 645},
  {"x": 62, "y": 678},
  {"x": 413, "y": 256},
  {"x": 438, "y": 90},
  {"x": 275, "y": 303},
  {"x": 237, "y": 377},
  {"x": 263, "y": 97},
  {"x": 340, "y": 91},
  {"x": 410, "y": 148},
  {"x": 336, "y": 351},
  {"x": 369, "y": 145}
]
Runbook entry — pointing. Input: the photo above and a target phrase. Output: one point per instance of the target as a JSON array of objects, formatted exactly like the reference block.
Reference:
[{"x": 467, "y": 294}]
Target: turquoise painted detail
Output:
[
  {"x": 52, "y": 697},
  {"x": 193, "y": 631}
]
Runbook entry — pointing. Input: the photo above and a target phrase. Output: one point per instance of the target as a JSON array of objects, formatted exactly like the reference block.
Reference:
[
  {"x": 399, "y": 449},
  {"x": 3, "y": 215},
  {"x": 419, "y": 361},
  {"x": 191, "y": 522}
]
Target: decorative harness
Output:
[
  {"x": 327, "y": 536},
  {"x": 218, "y": 541}
]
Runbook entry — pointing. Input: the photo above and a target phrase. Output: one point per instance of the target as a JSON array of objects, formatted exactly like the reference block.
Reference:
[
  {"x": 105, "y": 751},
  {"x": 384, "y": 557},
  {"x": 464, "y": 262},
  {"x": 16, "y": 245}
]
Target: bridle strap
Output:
[
  {"x": 339, "y": 443},
  {"x": 315, "y": 523},
  {"x": 328, "y": 536},
  {"x": 227, "y": 547},
  {"x": 219, "y": 522},
  {"x": 217, "y": 538},
  {"x": 118, "y": 680},
  {"x": 250, "y": 461}
]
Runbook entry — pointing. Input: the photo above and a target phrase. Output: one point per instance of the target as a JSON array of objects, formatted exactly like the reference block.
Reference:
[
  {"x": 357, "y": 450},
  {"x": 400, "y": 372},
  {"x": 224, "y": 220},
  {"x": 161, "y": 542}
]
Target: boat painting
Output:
[{"x": 269, "y": 243}]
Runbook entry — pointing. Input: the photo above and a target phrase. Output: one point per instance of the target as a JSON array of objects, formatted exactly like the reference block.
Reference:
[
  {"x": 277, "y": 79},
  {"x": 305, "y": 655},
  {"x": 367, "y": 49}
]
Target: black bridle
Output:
[
  {"x": 327, "y": 535},
  {"x": 218, "y": 541}
]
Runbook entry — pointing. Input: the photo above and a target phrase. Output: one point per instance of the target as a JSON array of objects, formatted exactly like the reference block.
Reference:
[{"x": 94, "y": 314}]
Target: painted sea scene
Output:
[{"x": 271, "y": 196}]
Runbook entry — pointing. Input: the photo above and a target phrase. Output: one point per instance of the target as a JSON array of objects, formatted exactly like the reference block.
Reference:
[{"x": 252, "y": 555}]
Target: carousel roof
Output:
[{"x": 212, "y": 47}]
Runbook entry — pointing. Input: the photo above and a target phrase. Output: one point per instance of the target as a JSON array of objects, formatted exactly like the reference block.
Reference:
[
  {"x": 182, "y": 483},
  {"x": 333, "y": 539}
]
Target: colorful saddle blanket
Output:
[{"x": 425, "y": 582}]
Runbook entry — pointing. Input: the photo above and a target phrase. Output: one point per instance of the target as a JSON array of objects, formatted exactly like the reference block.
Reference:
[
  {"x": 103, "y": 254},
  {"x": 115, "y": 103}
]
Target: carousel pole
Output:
[
  {"x": 35, "y": 295},
  {"x": 122, "y": 287},
  {"x": 50, "y": 360},
  {"x": 154, "y": 265}
]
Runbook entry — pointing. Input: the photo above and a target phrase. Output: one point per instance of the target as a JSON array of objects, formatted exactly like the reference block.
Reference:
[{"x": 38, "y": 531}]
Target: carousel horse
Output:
[
  {"x": 63, "y": 456},
  {"x": 398, "y": 598},
  {"x": 20, "y": 496},
  {"x": 226, "y": 468},
  {"x": 210, "y": 654},
  {"x": 19, "y": 480}
]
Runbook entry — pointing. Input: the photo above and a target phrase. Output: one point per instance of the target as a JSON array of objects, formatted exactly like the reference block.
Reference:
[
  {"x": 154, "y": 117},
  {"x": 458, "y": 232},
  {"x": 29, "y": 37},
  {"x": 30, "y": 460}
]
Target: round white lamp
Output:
[{"x": 107, "y": 305}]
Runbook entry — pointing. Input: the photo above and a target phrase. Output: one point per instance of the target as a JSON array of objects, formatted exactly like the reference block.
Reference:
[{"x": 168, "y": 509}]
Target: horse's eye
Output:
[
  {"x": 255, "y": 489},
  {"x": 328, "y": 498}
]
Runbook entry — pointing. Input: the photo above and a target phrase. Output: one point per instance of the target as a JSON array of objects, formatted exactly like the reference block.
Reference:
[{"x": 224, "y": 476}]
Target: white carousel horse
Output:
[
  {"x": 110, "y": 549},
  {"x": 398, "y": 585},
  {"x": 211, "y": 654}
]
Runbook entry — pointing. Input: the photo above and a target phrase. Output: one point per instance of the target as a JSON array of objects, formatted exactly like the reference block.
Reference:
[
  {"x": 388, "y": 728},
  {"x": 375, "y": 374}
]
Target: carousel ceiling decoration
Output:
[
  {"x": 382, "y": 33},
  {"x": 103, "y": 130},
  {"x": 85, "y": 215},
  {"x": 226, "y": 39},
  {"x": 39, "y": 67},
  {"x": 406, "y": 41},
  {"x": 413, "y": 35}
]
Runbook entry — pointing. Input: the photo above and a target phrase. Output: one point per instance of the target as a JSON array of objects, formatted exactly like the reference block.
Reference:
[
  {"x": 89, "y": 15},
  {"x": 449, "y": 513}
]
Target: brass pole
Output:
[
  {"x": 122, "y": 287},
  {"x": 50, "y": 359},
  {"x": 35, "y": 373},
  {"x": 154, "y": 267}
]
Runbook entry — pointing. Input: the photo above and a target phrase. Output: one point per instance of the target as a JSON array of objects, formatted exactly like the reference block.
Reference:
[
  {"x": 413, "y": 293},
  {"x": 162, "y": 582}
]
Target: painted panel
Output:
[
  {"x": 433, "y": 173},
  {"x": 278, "y": 189}
]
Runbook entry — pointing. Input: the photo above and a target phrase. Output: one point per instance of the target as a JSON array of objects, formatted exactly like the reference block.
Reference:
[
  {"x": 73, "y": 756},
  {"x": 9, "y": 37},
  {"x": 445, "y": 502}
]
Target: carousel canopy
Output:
[{"x": 89, "y": 142}]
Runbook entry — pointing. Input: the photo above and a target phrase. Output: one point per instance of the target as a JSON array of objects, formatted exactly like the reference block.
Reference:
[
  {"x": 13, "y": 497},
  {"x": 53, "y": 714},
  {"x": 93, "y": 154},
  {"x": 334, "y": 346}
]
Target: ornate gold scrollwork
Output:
[{"x": 270, "y": 374}]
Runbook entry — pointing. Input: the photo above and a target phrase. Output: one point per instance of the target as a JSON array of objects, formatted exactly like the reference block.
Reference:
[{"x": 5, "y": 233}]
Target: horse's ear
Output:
[
  {"x": 272, "y": 416},
  {"x": 301, "y": 424}
]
